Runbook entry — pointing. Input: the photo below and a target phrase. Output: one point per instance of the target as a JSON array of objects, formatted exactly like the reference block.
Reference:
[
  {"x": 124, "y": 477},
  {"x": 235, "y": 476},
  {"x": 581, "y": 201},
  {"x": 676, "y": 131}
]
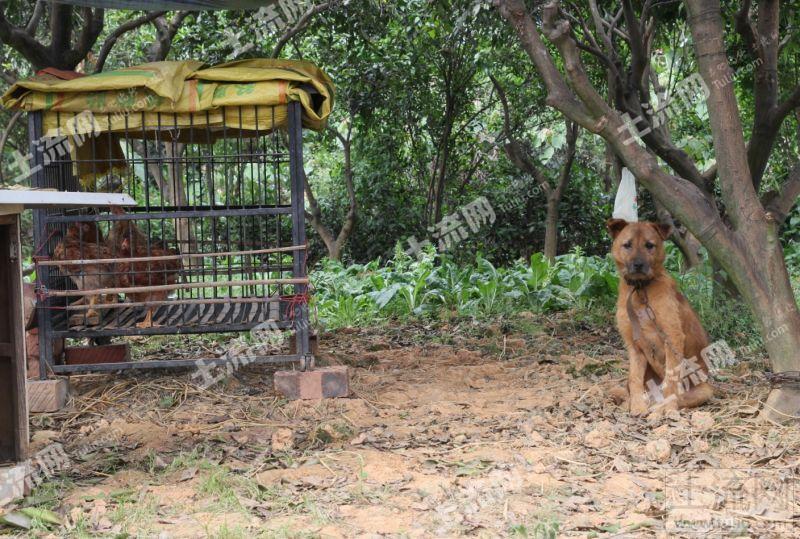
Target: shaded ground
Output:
[{"x": 484, "y": 431}]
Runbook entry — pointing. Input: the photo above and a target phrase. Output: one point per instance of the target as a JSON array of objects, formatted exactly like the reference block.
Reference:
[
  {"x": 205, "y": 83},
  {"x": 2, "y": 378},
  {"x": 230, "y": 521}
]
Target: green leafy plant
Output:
[{"x": 406, "y": 287}]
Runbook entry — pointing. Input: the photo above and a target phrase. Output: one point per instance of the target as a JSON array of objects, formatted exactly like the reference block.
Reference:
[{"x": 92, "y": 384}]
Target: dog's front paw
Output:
[
  {"x": 638, "y": 407},
  {"x": 666, "y": 408},
  {"x": 670, "y": 404}
]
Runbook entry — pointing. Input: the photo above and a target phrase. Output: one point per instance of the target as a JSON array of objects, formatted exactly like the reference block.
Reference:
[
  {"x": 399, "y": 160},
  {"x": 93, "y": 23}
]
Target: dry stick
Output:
[
  {"x": 763, "y": 518},
  {"x": 170, "y": 257},
  {"x": 177, "y": 286}
]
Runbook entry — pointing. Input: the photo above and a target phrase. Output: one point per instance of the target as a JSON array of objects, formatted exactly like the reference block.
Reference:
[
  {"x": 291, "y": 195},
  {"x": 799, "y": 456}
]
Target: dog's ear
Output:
[
  {"x": 615, "y": 226},
  {"x": 663, "y": 229}
]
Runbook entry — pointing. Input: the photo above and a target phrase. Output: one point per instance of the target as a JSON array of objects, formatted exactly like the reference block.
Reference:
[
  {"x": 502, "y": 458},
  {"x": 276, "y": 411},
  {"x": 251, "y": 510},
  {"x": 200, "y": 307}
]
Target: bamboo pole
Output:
[
  {"x": 125, "y": 305},
  {"x": 169, "y": 257},
  {"x": 170, "y": 287}
]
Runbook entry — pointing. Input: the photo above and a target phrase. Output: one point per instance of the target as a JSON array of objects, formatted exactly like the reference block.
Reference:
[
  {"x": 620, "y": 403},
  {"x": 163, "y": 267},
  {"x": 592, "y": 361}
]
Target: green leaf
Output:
[
  {"x": 17, "y": 520},
  {"x": 383, "y": 297},
  {"x": 44, "y": 515}
]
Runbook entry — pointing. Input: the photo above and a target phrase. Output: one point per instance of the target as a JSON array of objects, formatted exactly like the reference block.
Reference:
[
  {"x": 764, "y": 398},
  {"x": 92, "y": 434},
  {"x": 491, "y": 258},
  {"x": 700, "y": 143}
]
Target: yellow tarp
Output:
[
  {"x": 179, "y": 100},
  {"x": 127, "y": 99}
]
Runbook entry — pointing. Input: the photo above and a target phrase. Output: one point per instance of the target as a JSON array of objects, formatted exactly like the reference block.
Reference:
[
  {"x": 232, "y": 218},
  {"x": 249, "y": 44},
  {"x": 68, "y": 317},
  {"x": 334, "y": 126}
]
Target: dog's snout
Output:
[{"x": 638, "y": 265}]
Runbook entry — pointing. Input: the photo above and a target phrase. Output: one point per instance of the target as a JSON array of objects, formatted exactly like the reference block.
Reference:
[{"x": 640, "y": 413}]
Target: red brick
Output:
[
  {"x": 47, "y": 395},
  {"x": 32, "y": 351},
  {"x": 322, "y": 383},
  {"x": 90, "y": 355}
]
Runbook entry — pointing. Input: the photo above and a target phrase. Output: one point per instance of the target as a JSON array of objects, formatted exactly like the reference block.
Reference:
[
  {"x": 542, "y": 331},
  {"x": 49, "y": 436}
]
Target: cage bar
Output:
[{"x": 216, "y": 244}]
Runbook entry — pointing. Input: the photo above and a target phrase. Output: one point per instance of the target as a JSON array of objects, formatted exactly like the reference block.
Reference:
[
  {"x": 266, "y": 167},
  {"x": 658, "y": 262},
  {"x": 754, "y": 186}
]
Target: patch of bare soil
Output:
[{"x": 451, "y": 430}]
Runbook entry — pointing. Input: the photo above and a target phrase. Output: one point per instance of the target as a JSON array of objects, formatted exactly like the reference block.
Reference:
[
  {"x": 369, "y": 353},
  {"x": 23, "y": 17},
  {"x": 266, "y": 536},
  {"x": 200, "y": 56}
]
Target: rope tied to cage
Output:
[
  {"x": 293, "y": 301},
  {"x": 298, "y": 300}
]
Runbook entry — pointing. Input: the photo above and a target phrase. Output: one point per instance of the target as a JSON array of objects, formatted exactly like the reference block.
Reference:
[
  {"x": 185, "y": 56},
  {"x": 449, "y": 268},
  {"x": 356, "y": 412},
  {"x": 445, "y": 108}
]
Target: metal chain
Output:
[
  {"x": 642, "y": 293},
  {"x": 781, "y": 379}
]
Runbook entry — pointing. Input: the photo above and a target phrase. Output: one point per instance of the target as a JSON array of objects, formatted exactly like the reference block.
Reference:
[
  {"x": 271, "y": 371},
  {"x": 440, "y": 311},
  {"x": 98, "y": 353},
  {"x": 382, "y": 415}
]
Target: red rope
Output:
[
  {"x": 298, "y": 300},
  {"x": 293, "y": 301}
]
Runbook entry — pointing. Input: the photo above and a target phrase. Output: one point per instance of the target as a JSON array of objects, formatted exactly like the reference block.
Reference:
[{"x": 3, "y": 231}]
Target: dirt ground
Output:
[{"x": 451, "y": 430}]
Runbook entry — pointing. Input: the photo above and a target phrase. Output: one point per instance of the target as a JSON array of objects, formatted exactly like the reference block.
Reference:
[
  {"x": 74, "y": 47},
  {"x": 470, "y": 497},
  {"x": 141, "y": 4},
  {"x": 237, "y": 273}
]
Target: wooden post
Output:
[{"x": 13, "y": 405}]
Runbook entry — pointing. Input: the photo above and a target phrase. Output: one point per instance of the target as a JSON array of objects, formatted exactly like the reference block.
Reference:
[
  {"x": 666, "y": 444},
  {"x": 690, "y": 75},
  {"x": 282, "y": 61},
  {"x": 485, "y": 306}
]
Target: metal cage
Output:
[{"x": 217, "y": 242}]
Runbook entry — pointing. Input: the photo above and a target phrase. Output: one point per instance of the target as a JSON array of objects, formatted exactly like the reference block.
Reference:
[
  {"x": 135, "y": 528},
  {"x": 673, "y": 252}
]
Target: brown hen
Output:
[
  {"x": 126, "y": 229},
  {"x": 84, "y": 241},
  {"x": 145, "y": 273}
]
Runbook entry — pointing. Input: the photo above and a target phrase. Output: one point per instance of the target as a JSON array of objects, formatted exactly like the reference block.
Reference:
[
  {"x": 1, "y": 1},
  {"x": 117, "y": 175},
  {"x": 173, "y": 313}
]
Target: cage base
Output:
[{"x": 189, "y": 318}]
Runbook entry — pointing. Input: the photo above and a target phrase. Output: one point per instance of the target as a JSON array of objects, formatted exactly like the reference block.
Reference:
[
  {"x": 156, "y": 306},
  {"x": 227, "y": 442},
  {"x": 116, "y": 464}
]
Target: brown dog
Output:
[{"x": 662, "y": 333}]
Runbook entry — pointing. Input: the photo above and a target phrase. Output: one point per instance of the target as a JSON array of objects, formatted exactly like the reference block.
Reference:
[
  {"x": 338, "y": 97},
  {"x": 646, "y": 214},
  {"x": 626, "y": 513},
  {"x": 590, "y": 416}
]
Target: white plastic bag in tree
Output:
[{"x": 626, "y": 205}]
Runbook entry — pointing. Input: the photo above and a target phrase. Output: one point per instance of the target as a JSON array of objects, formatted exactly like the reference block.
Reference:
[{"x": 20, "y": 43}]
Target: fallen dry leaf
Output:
[
  {"x": 702, "y": 421},
  {"x": 282, "y": 440},
  {"x": 658, "y": 450}
]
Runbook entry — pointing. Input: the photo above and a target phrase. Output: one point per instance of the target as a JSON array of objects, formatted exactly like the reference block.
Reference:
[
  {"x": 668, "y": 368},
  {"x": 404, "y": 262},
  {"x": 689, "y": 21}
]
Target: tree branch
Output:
[
  {"x": 765, "y": 86},
  {"x": 791, "y": 102},
  {"x": 24, "y": 43},
  {"x": 726, "y": 128},
  {"x": 566, "y": 169},
  {"x": 300, "y": 25},
  {"x": 559, "y": 95},
  {"x": 781, "y": 203},
  {"x": 112, "y": 38},
  {"x": 33, "y": 22},
  {"x": 71, "y": 56},
  {"x": 598, "y": 25},
  {"x": 514, "y": 150},
  {"x": 745, "y": 28},
  {"x": 333, "y": 244},
  {"x": 314, "y": 215},
  {"x": 685, "y": 200},
  {"x": 635, "y": 94},
  {"x": 350, "y": 219},
  {"x": 639, "y": 58},
  {"x": 165, "y": 33}
]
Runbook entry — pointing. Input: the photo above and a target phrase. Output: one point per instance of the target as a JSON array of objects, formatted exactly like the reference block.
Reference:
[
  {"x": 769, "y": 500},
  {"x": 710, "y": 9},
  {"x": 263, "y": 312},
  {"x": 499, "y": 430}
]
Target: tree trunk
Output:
[
  {"x": 551, "y": 228},
  {"x": 520, "y": 157},
  {"x": 335, "y": 244},
  {"x": 66, "y": 49},
  {"x": 773, "y": 304},
  {"x": 177, "y": 197},
  {"x": 439, "y": 178},
  {"x": 683, "y": 239}
]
